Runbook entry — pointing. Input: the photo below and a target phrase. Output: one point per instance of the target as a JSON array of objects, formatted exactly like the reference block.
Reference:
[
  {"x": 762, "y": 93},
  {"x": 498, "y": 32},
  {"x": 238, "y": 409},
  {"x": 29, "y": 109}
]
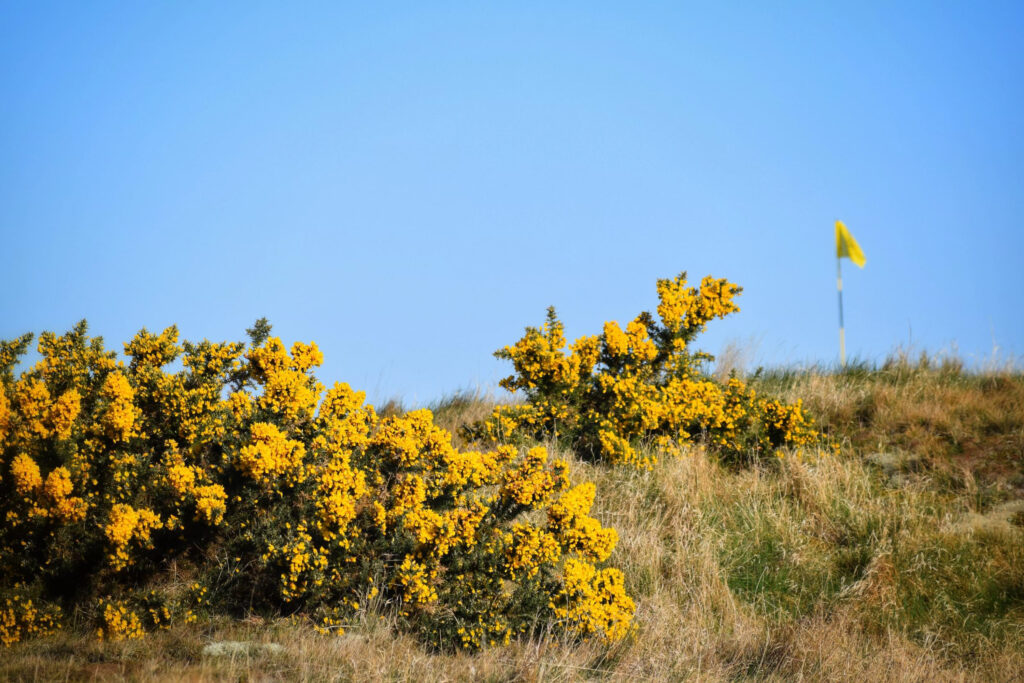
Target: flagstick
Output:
[{"x": 842, "y": 334}]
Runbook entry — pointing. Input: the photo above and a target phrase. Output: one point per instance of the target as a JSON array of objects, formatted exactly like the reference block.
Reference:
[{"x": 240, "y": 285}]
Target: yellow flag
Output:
[{"x": 847, "y": 246}]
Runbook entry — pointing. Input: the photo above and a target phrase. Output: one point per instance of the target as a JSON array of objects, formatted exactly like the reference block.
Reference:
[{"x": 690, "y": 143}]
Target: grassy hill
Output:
[{"x": 899, "y": 558}]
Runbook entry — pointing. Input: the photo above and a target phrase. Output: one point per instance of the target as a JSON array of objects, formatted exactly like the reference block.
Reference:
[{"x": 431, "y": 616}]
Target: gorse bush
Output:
[
  {"x": 607, "y": 394},
  {"x": 272, "y": 495}
]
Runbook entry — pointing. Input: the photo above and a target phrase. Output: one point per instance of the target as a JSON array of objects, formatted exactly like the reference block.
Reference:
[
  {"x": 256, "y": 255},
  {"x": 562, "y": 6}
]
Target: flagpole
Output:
[{"x": 842, "y": 334}]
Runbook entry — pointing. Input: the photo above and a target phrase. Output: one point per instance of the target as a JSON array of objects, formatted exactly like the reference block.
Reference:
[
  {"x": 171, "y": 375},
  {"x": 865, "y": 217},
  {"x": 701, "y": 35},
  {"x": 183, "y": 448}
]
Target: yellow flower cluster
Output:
[
  {"x": 211, "y": 503},
  {"x": 438, "y": 534},
  {"x": 303, "y": 563},
  {"x": 33, "y": 400},
  {"x": 787, "y": 423},
  {"x": 288, "y": 391},
  {"x": 531, "y": 484},
  {"x": 241, "y": 406},
  {"x": 186, "y": 484},
  {"x": 594, "y": 602},
  {"x": 607, "y": 394},
  {"x": 57, "y": 490},
  {"x": 541, "y": 362},
  {"x": 207, "y": 359},
  {"x": 5, "y": 416},
  {"x": 127, "y": 526},
  {"x": 21, "y": 618},
  {"x": 411, "y": 442},
  {"x": 119, "y": 419},
  {"x": 25, "y": 472},
  {"x": 64, "y": 413},
  {"x": 570, "y": 521},
  {"x": 72, "y": 359},
  {"x": 153, "y": 350},
  {"x": 416, "y": 582},
  {"x": 155, "y": 610},
  {"x": 305, "y": 357},
  {"x": 119, "y": 623},
  {"x": 485, "y": 631},
  {"x": 339, "y": 491},
  {"x": 271, "y": 456},
  {"x": 689, "y": 309},
  {"x": 181, "y": 478},
  {"x": 344, "y": 421},
  {"x": 615, "y": 341},
  {"x": 528, "y": 548},
  {"x": 47, "y": 498}
]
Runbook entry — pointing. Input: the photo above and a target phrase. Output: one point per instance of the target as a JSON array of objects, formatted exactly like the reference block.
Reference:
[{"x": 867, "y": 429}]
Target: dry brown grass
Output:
[
  {"x": 816, "y": 568},
  {"x": 956, "y": 420}
]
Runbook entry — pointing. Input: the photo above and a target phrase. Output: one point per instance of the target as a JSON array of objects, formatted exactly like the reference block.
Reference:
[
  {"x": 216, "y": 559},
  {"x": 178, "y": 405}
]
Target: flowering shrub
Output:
[
  {"x": 20, "y": 617},
  {"x": 119, "y": 623},
  {"x": 277, "y": 496},
  {"x": 609, "y": 393}
]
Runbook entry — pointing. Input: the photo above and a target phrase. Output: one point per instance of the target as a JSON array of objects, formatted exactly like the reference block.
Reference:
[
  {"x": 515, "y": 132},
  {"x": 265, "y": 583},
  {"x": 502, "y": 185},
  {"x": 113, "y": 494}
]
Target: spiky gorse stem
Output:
[
  {"x": 278, "y": 497},
  {"x": 606, "y": 394}
]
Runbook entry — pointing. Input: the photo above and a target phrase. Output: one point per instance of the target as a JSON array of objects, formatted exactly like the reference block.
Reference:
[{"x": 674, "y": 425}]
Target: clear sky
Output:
[{"x": 410, "y": 184}]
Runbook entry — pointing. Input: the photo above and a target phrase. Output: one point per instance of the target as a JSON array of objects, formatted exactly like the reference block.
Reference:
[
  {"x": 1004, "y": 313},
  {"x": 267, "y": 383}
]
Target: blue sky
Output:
[{"x": 410, "y": 184}]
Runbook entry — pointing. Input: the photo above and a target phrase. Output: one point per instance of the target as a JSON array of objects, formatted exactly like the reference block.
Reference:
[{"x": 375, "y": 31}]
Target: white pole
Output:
[{"x": 842, "y": 333}]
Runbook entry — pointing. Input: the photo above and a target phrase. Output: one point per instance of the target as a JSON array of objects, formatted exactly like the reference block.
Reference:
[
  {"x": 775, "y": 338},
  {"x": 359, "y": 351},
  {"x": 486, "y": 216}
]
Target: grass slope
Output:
[{"x": 902, "y": 559}]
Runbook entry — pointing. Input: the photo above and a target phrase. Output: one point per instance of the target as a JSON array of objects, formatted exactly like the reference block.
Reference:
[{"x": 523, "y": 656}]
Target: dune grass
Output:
[
  {"x": 900, "y": 559},
  {"x": 970, "y": 424}
]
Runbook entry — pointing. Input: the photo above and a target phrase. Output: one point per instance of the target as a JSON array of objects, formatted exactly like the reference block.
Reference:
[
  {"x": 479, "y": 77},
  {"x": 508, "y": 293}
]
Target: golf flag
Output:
[{"x": 847, "y": 246}]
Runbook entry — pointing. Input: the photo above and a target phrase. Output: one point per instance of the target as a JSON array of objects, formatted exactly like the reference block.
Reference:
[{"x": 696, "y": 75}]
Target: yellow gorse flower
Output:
[
  {"x": 25, "y": 471},
  {"x": 57, "y": 489},
  {"x": 119, "y": 419},
  {"x": 528, "y": 548},
  {"x": 5, "y": 416},
  {"x": 21, "y": 617},
  {"x": 129, "y": 526},
  {"x": 119, "y": 623},
  {"x": 594, "y": 602},
  {"x": 64, "y": 412},
  {"x": 570, "y": 521},
  {"x": 156, "y": 351},
  {"x": 33, "y": 400},
  {"x": 532, "y": 484},
  {"x": 270, "y": 455},
  {"x": 211, "y": 503}
]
